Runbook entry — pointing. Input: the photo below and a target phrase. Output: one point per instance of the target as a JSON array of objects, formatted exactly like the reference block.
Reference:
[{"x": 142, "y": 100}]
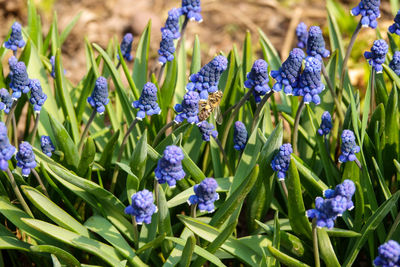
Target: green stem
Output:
[
  {"x": 315, "y": 242},
  {"x": 119, "y": 64},
  {"x": 35, "y": 128},
  {"x": 15, "y": 130},
  {"x": 296, "y": 126},
  {"x": 86, "y": 130},
  {"x": 283, "y": 184},
  {"x": 160, "y": 74},
  {"x": 259, "y": 108},
  {"x": 135, "y": 232},
  {"x": 238, "y": 104},
  {"x": 11, "y": 113},
  {"x": 183, "y": 30},
  {"x": 161, "y": 132},
  {"x": 40, "y": 182},
  {"x": 18, "y": 193},
  {"x": 193, "y": 210},
  {"x": 358, "y": 163},
  {"x": 372, "y": 90},
  {"x": 335, "y": 98}
]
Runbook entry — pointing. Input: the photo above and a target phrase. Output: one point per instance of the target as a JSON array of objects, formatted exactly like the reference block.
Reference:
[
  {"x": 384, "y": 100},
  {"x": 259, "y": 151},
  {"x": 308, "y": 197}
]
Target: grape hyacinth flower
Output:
[
  {"x": 53, "y": 66},
  {"x": 25, "y": 158},
  {"x": 142, "y": 206},
  {"x": 167, "y": 47},
  {"x": 258, "y": 79},
  {"x": 172, "y": 22},
  {"x": 388, "y": 254},
  {"x": 302, "y": 35},
  {"x": 169, "y": 167},
  {"x": 281, "y": 161},
  {"x": 191, "y": 9},
  {"x": 147, "y": 103},
  {"x": 19, "y": 80},
  {"x": 5, "y": 100},
  {"x": 377, "y": 55},
  {"x": 99, "y": 97},
  {"x": 239, "y": 136},
  {"x": 310, "y": 84},
  {"x": 47, "y": 145},
  {"x": 188, "y": 109},
  {"x": 395, "y": 63},
  {"x": 206, "y": 80},
  {"x": 326, "y": 124},
  {"x": 205, "y": 195},
  {"x": 207, "y": 130},
  {"x": 395, "y": 27},
  {"x": 288, "y": 75},
  {"x": 126, "y": 47},
  {"x": 15, "y": 41},
  {"x": 6, "y": 149},
  {"x": 316, "y": 44},
  {"x": 12, "y": 63},
  {"x": 369, "y": 11},
  {"x": 349, "y": 147},
  {"x": 37, "y": 98},
  {"x": 345, "y": 189}
]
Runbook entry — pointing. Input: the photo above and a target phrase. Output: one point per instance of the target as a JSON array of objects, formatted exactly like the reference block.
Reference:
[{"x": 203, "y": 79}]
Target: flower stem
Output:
[
  {"x": 335, "y": 98},
  {"x": 156, "y": 190},
  {"x": 15, "y": 130},
  {"x": 120, "y": 153},
  {"x": 183, "y": 30},
  {"x": 40, "y": 182},
  {"x": 283, "y": 184},
  {"x": 86, "y": 130},
  {"x": 35, "y": 128},
  {"x": 358, "y": 163},
  {"x": 135, "y": 232},
  {"x": 296, "y": 126},
  {"x": 11, "y": 113},
  {"x": 193, "y": 210},
  {"x": 372, "y": 90},
  {"x": 18, "y": 193},
  {"x": 119, "y": 64},
  {"x": 259, "y": 108},
  {"x": 222, "y": 150},
  {"x": 239, "y": 104},
  {"x": 160, "y": 73},
  {"x": 161, "y": 132},
  {"x": 315, "y": 242}
]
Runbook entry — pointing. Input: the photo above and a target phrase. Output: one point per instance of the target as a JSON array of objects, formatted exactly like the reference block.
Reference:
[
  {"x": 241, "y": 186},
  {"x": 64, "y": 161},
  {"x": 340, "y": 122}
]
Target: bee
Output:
[{"x": 209, "y": 105}]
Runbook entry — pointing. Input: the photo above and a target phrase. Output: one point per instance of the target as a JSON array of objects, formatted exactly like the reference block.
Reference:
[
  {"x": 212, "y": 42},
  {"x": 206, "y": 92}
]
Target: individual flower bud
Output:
[
  {"x": 258, "y": 79},
  {"x": 369, "y": 11},
  {"x": 326, "y": 124},
  {"x": 388, "y": 254},
  {"x": 167, "y": 47},
  {"x": 15, "y": 41},
  {"x": 281, "y": 161},
  {"x": 47, "y": 145},
  {"x": 316, "y": 44},
  {"x": 169, "y": 167},
  {"x": 349, "y": 147},
  {"x": 377, "y": 55},
  {"x": 142, "y": 207},
  {"x": 192, "y": 9},
  {"x": 239, "y": 136},
  {"x": 99, "y": 96},
  {"x": 37, "y": 98},
  {"x": 126, "y": 47},
  {"x": 205, "y": 195},
  {"x": 302, "y": 35},
  {"x": 147, "y": 103},
  {"x": 188, "y": 109},
  {"x": 25, "y": 158},
  {"x": 19, "y": 80},
  {"x": 207, "y": 130}
]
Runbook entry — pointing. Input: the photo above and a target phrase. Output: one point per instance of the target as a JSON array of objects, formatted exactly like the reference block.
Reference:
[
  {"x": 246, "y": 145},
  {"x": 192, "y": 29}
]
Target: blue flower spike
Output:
[
  {"x": 99, "y": 96},
  {"x": 258, "y": 79},
  {"x": 205, "y": 195},
  {"x": 47, "y": 145},
  {"x": 302, "y": 35},
  {"x": 12, "y": 63},
  {"x": 6, "y": 100},
  {"x": 37, "y": 98},
  {"x": 25, "y": 158},
  {"x": 377, "y": 55},
  {"x": 126, "y": 47},
  {"x": 188, "y": 109},
  {"x": 395, "y": 27},
  {"x": 310, "y": 84},
  {"x": 316, "y": 44},
  {"x": 19, "y": 80},
  {"x": 288, "y": 75},
  {"x": 169, "y": 167},
  {"x": 167, "y": 47},
  {"x": 281, "y": 161},
  {"x": 207, "y": 130},
  {"x": 395, "y": 63},
  {"x": 6, "y": 149},
  {"x": 349, "y": 147},
  {"x": 172, "y": 22},
  {"x": 206, "y": 80},
  {"x": 53, "y": 66},
  {"x": 326, "y": 124},
  {"x": 15, "y": 41},
  {"x": 369, "y": 11},
  {"x": 240, "y": 136},
  {"x": 388, "y": 254},
  {"x": 191, "y": 9},
  {"x": 142, "y": 207},
  {"x": 147, "y": 103}
]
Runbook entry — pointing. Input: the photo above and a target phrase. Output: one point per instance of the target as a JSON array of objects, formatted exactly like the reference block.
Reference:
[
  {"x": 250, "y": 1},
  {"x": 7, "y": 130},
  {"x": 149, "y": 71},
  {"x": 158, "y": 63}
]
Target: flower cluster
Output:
[
  {"x": 388, "y": 254},
  {"x": 395, "y": 27},
  {"x": 205, "y": 195},
  {"x": 99, "y": 97},
  {"x": 169, "y": 167},
  {"x": 172, "y": 22},
  {"x": 47, "y": 145},
  {"x": 316, "y": 43},
  {"x": 25, "y": 158},
  {"x": 335, "y": 203},
  {"x": 310, "y": 84},
  {"x": 395, "y": 63},
  {"x": 126, "y": 47},
  {"x": 189, "y": 108},
  {"x": 19, "y": 79},
  {"x": 258, "y": 79},
  {"x": 302, "y": 35},
  {"x": 349, "y": 147},
  {"x": 207, "y": 130},
  {"x": 167, "y": 47},
  {"x": 6, "y": 100},
  {"x": 288, "y": 74},
  {"x": 6, "y": 149},
  {"x": 37, "y": 98},
  {"x": 281, "y": 161},
  {"x": 377, "y": 55},
  {"x": 16, "y": 41},
  {"x": 206, "y": 80},
  {"x": 191, "y": 9},
  {"x": 142, "y": 206},
  {"x": 147, "y": 103},
  {"x": 326, "y": 124},
  {"x": 369, "y": 11},
  {"x": 12, "y": 62},
  {"x": 239, "y": 136}
]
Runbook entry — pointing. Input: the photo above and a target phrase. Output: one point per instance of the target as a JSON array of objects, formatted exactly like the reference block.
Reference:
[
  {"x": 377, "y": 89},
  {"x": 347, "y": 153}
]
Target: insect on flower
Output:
[{"x": 207, "y": 106}]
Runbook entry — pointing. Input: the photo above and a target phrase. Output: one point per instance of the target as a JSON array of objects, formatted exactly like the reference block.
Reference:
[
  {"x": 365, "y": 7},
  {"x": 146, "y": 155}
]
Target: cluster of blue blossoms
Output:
[
  {"x": 395, "y": 27},
  {"x": 25, "y": 158},
  {"x": 47, "y": 145},
  {"x": 281, "y": 161},
  {"x": 188, "y": 109},
  {"x": 336, "y": 202},
  {"x": 207, "y": 130},
  {"x": 326, "y": 124},
  {"x": 388, "y": 254},
  {"x": 302, "y": 35},
  {"x": 316, "y": 44},
  {"x": 395, "y": 63},
  {"x": 169, "y": 167},
  {"x": 142, "y": 206},
  {"x": 377, "y": 55},
  {"x": 19, "y": 79},
  {"x": 15, "y": 41},
  {"x": 99, "y": 97},
  {"x": 205, "y": 195},
  {"x": 147, "y": 103},
  {"x": 6, "y": 100},
  {"x": 6, "y": 149},
  {"x": 258, "y": 79},
  {"x": 37, "y": 98},
  {"x": 126, "y": 47},
  {"x": 240, "y": 136},
  {"x": 369, "y": 11},
  {"x": 349, "y": 147}
]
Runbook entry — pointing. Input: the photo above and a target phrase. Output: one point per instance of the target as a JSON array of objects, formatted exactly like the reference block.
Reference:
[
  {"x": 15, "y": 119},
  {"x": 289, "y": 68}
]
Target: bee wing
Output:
[{"x": 218, "y": 115}]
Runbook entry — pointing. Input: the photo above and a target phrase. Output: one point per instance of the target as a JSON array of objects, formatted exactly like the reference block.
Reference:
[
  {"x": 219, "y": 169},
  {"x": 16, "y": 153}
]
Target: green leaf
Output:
[
  {"x": 180, "y": 86},
  {"x": 8, "y": 242},
  {"x": 367, "y": 104},
  {"x": 87, "y": 157},
  {"x": 106, "y": 156},
  {"x": 139, "y": 74},
  {"x": 131, "y": 83},
  {"x": 247, "y": 54},
  {"x": 64, "y": 34},
  {"x": 335, "y": 35},
  {"x": 285, "y": 259},
  {"x": 337, "y": 232},
  {"x": 152, "y": 244},
  {"x": 326, "y": 249},
  {"x": 188, "y": 251},
  {"x": 196, "y": 56},
  {"x": 139, "y": 156},
  {"x": 269, "y": 51},
  {"x": 67, "y": 257},
  {"x": 164, "y": 220},
  {"x": 276, "y": 239},
  {"x": 34, "y": 25},
  {"x": 191, "y": 168},
  {"x": 309, "y": 179}
]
